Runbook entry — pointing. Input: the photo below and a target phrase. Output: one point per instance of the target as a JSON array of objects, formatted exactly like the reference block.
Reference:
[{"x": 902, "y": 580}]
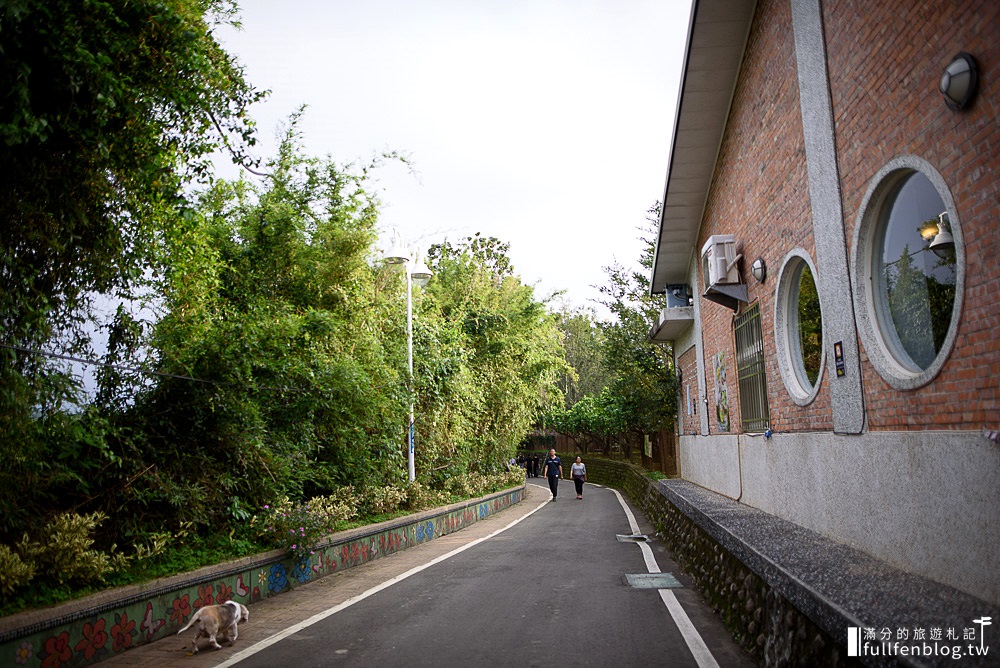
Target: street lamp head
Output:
[
  {"x": 420, "y": 273},
  {"x": 397, "y": 253}
]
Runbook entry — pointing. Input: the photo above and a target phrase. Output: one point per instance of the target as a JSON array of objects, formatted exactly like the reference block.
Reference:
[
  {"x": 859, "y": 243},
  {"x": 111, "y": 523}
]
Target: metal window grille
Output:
[{"x": 750, "y": 370}]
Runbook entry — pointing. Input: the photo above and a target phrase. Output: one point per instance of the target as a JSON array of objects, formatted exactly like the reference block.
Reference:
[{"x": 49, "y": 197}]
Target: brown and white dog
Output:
[{"x": 214, "y": 621}]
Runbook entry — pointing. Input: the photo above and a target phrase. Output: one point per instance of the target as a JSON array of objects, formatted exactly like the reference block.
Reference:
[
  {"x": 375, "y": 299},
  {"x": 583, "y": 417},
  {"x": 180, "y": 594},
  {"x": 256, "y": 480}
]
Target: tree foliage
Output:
[
  {"x": 511, "y": 354},
  {"x": 276, "y": 365},
  {"x": 639, "y": 395},
  {"x": 583, "y": 339},
  {"x": 109, "y": 109},
  {"x": 258, "y": 351}
]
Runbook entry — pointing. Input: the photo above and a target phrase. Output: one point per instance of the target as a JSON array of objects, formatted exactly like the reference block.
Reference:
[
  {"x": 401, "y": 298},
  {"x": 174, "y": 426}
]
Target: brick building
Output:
[{"x": 829, "y": 247}]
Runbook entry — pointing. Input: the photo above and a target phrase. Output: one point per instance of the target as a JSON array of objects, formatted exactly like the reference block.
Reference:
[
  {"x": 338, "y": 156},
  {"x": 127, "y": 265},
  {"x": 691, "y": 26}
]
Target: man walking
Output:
[{"x": 552, "y": 469}]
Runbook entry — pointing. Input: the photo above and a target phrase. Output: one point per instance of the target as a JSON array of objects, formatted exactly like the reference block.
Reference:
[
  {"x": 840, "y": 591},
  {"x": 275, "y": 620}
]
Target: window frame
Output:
[
  {"x": 868, "y": 231},
  {"x": 786, "y": 334},
  {"x": 751, "y": 370}
]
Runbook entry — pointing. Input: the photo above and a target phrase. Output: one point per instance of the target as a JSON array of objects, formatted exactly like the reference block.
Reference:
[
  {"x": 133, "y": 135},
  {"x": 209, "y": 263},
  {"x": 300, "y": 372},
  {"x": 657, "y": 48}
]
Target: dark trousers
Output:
[
  {"x": 554, "y": 485},
  {"x": 579, "y": 486}
]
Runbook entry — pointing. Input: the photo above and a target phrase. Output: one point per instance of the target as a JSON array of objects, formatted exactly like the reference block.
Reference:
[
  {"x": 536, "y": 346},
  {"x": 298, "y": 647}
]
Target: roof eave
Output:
[{"x": 716, "y": 41}]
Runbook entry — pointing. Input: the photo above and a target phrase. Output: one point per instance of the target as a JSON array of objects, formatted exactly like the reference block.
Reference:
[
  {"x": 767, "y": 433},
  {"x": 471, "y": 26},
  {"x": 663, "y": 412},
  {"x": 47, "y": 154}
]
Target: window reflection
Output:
[
  {"x": 810, "y": 326},
  {"x": 916, "y": 290}
]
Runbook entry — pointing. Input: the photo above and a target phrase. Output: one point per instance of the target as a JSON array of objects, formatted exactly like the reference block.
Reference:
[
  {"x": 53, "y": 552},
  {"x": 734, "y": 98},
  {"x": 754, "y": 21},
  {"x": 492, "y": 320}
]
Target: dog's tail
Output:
[{"x": 195, "y": 617}]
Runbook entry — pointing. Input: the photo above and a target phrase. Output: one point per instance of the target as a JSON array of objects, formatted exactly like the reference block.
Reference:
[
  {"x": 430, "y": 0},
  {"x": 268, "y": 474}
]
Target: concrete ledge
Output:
[
  {"x": 89, "y": 630},
  {"x": 834, "y": 584}
]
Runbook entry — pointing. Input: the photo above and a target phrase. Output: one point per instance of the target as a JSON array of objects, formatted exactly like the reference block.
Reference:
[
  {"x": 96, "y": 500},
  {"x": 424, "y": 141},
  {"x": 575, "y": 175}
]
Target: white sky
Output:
[{"x": 544, "y": 123}]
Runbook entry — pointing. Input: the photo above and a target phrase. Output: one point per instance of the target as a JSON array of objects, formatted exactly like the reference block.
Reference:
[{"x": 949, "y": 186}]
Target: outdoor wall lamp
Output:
[
  {"x": 943, "y": 244},
  {"x": 959, "y": 81},
  {"x": 759, "y": 269}
]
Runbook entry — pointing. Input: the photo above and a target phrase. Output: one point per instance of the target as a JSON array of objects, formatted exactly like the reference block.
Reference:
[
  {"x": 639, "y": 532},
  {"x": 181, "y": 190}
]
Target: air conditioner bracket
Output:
[{"x": 727, "y": 294}]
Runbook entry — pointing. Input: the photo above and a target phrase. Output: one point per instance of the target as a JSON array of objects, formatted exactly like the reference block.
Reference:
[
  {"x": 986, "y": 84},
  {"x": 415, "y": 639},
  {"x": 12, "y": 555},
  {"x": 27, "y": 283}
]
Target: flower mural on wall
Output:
[
  {"x": 180, "y": 610},
  {"x": 325, "y": 563},
  {"x": 122, "y": 632},
  {"x": 225, "y": 593},
  {"x": 57, "y": 651},
  {"x": 205, "y": 596},
  {"x": 278, "y": 579},
  {"x": 241, "y": 589},
  {"x": 94, "y": 639},
  {"x": 303, "y": 570},
  {"x": 24, "y": 653}
]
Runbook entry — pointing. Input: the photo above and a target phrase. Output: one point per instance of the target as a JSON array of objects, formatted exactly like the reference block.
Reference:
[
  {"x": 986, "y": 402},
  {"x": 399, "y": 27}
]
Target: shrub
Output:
[
  {"x": 297, "y": 528},
  {"x": 463, "y": 486},
  {"x": 382, "y": 500},
  {"x": 14, "y": 573},
  {"x": 419, "y": 497},
  {"x": 64, "y": 553}
]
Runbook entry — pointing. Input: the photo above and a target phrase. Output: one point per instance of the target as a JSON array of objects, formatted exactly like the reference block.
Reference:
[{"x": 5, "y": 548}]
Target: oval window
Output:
[
  {"x": 798, "y": 328},
  {"x": 908, "y": 263}
]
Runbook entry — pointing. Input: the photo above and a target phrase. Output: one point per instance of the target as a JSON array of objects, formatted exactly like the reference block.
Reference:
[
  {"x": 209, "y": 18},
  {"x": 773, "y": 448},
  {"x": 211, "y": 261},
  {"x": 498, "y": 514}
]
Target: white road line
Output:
[
  {"x": 291, "y": 630},
  {"x": 684, "y": 624}
]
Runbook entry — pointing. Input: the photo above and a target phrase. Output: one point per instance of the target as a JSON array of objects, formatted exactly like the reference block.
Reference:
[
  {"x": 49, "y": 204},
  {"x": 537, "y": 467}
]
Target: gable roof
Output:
[{"x": 717, "y": 38}]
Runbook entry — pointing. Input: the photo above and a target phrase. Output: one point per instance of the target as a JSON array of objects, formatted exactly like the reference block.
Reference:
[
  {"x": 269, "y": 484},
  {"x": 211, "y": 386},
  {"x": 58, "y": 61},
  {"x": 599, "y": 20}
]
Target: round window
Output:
[
  {"x": 798, "y": 326},
  {"x": 909, "y": 251}
]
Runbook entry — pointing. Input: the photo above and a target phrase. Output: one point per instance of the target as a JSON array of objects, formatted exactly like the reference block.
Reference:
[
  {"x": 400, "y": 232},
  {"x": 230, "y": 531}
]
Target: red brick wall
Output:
[
  {"x": 761, "y": 195},
  {"x": 885, "y": 61},
  {"x": 687, "y": 363}
]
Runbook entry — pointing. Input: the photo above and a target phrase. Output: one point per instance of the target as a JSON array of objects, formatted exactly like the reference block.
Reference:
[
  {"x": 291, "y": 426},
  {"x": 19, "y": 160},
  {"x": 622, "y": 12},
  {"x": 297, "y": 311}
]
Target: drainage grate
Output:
[
  {"x": 653, "y": 581},
  {"x": 634, "y": 538}
]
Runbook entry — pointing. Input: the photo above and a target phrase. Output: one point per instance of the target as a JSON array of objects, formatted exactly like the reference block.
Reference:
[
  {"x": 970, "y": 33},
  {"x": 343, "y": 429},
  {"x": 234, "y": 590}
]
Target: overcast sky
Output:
[{"x": 544, "y": 123}]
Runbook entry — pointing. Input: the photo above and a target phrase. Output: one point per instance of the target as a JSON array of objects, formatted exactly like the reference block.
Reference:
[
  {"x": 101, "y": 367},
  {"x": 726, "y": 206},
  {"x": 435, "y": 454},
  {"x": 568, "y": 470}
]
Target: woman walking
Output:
[{"x": 579, "y": 473}]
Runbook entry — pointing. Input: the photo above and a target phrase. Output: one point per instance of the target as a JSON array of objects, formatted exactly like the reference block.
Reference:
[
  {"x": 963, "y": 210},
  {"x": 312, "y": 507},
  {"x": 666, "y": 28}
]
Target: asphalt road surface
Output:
[{"x": 541, "y": 584}]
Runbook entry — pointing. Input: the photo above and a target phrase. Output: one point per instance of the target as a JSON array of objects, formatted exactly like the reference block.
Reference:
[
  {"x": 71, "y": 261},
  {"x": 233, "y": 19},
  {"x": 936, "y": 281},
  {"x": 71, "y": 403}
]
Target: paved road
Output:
[{"x": 541, "y": 584}]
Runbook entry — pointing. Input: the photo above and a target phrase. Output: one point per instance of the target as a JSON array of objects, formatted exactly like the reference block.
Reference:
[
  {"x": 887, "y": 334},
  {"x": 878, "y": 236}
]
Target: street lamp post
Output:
[{"x": 416, "y": 272}]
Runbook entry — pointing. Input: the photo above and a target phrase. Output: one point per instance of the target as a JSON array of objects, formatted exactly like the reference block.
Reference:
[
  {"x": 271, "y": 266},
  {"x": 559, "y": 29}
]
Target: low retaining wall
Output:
[
  {"x": 789, "y": 595},
  {"x": 83, "y": 632}
]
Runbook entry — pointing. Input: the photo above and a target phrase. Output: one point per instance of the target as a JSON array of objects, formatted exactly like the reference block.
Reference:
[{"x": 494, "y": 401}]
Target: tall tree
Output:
[
  {"x": 108, "y": 111},
  {"x": 273, "y": 299},
  {"x": 511, "y": 349},
  {"x": 583, "y": 339},
  {"x": 644, "y": 383},
  {"x": 109, "y": 108}
]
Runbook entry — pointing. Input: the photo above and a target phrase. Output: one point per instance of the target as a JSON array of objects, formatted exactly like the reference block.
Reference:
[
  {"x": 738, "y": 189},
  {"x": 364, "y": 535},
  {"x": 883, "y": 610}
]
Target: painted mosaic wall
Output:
[{"x": 94, "y": 634}]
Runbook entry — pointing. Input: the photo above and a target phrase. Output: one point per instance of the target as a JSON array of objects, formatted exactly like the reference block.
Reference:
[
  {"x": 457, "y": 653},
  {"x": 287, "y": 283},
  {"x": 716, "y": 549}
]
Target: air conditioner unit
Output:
[{"x": 718, "y": 261}]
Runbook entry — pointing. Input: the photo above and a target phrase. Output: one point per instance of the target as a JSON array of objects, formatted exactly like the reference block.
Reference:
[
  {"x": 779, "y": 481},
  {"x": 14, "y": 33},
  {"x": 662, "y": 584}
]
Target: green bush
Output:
[
  {"x": 381, "y": 500},
  {"x": 420, "y": 497},
  {"x": 297, "y": 528},
  {"x": 14, "y": 572},
  {"x": 64, "y": 552}
]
